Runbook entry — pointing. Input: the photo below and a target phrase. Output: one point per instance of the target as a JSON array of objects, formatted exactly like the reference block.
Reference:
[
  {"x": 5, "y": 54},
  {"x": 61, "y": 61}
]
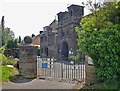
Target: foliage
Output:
[
  {"x": 100, "y": 39},
  {"x": 7, "y": 35},
  {"x": 11, "y": 44},
  {"x": 2, "y": 49},
  {"x": 11, "y": 61},
  {"x": 19, "y": 40},
  {"x": 3, "y": 59},
  {"x": 73, "y": 58},
  {"x": 6, "y": 61},
  {"x": 94, "y": 5},
  {"x": 8, "y": 40},
  {"x": 7, "y": 73},
  {"x": 90, "y": 5},
  {"x": 78, "y": 58},
  {"x": 114, "y": 85}
]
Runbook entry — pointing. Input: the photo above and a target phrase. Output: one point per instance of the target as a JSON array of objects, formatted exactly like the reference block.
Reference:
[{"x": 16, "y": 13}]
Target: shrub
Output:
[
  {"x": 3, "y": 59},
  {"x": 73, "y": 58},
  {"x": 6, "y": 61},
  {"x": 2, "y": 49},
  {"x": 100, "y": 39},
  {"x": 7, "y": 73}
]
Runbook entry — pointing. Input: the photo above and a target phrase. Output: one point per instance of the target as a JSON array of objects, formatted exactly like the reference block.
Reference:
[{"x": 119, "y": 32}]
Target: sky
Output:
[{"x": 27, "y": 17}]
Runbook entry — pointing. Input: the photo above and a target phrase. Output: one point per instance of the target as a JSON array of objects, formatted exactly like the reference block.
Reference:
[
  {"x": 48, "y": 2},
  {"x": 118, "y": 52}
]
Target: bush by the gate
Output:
[
  {"x": 7, "y": 73},
  {"x": 100, "y": 39}
]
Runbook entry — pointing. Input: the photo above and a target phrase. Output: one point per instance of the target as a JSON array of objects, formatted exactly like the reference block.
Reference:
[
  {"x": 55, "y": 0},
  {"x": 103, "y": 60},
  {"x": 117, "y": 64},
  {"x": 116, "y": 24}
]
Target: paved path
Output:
[{"x": 39, "y": 84}]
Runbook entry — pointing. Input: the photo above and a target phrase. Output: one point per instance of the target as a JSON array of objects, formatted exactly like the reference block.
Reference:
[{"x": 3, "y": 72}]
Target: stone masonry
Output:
[
  {"x": 28, "y": 60},
  {"x": 58, "y": 40}
]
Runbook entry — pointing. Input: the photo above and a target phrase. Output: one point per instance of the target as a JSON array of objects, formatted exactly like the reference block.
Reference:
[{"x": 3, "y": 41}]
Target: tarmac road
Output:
[{"x": 38, "y": 84}]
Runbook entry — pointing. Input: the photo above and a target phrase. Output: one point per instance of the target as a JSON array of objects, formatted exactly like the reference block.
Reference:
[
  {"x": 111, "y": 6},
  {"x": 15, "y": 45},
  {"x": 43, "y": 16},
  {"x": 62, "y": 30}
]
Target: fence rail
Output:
[{"x": 51, "y": 68}]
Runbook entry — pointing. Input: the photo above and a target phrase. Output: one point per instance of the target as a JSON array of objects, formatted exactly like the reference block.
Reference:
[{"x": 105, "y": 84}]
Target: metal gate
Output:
[{"x": 51, "y": 68}]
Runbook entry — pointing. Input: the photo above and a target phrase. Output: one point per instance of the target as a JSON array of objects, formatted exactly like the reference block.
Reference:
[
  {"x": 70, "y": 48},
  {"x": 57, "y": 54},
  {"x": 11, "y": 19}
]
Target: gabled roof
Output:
[
  {"x": 54, "y": 21},
  {"x": 35, "y": 37},
  {"x": 36, "y": 41},
  {"x": 54, "y": 25}
]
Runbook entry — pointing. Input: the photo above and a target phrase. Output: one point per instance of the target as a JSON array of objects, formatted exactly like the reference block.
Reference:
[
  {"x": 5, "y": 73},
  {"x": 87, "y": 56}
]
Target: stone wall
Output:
[{"x": 28, "y": 60}]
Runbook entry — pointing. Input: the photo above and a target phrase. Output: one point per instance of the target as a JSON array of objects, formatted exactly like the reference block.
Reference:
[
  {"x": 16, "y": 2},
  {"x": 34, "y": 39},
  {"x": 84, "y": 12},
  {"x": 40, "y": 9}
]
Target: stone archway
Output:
[{"x": 64, "y": 50}]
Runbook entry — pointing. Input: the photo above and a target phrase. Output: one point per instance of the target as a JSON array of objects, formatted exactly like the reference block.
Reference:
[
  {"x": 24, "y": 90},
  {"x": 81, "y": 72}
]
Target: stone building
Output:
[
  {"x": 48, "y": 40},
  {"x": 67, "y": 21},
  {"x": 58, "y": 40}
]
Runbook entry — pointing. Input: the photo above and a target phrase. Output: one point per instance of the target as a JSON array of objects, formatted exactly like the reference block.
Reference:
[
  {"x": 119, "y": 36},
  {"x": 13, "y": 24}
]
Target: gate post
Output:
[
  {"x": 90, "y": 77},
  {"x": 28, "y": 60}
]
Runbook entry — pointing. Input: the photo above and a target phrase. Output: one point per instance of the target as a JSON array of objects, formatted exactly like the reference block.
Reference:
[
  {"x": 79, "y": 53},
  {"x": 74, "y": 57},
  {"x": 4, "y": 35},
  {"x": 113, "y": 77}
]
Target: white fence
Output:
[{"x": 47, "y": 67}]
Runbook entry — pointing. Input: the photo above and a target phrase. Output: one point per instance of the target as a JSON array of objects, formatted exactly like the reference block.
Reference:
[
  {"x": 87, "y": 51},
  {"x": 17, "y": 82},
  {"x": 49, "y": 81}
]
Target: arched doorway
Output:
[
  {"x": 64, "y": 51},
  {"x": 46, "y": 51}
]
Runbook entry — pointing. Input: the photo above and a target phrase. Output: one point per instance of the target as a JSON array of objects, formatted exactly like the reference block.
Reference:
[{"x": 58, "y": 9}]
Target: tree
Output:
[
  {"x": 19, "y": 40},
  {"x": 1, "y": 29},
  {"x": 11, "y": 44},
  {"x": 94, "y": 5},
  {"x": 100, "y": 39},
  {"x": 7, "y": 35}
]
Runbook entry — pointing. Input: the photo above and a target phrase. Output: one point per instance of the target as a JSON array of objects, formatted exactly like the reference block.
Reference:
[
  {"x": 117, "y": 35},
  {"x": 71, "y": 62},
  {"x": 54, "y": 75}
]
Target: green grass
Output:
[{"x": 6, "y": 73}]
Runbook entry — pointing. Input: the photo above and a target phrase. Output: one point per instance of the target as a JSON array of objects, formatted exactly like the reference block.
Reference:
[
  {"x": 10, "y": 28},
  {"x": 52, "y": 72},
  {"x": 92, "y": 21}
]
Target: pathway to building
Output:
[{"x": 40, "y": 84}]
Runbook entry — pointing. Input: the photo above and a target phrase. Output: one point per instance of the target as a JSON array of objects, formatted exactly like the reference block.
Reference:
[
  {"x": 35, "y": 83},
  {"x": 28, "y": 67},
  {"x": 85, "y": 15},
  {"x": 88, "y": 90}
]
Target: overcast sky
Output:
[{"x": 27, "y": 17}]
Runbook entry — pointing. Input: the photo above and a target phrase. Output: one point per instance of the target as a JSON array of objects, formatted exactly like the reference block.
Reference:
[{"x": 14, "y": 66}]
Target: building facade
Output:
[
  {"x": 59, "y": 39},
  {"x": 48, "y": 41}
]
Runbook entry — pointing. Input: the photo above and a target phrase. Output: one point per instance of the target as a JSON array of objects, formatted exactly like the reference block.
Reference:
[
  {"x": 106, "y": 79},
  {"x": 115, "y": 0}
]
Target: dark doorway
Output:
[
  {"x": 64, "y": 51},
  {"x": 46, "y": 51}
]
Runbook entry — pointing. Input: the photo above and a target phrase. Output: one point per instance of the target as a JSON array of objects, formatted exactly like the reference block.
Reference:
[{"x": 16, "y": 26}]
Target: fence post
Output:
[{"x": 62, "y": 68}]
